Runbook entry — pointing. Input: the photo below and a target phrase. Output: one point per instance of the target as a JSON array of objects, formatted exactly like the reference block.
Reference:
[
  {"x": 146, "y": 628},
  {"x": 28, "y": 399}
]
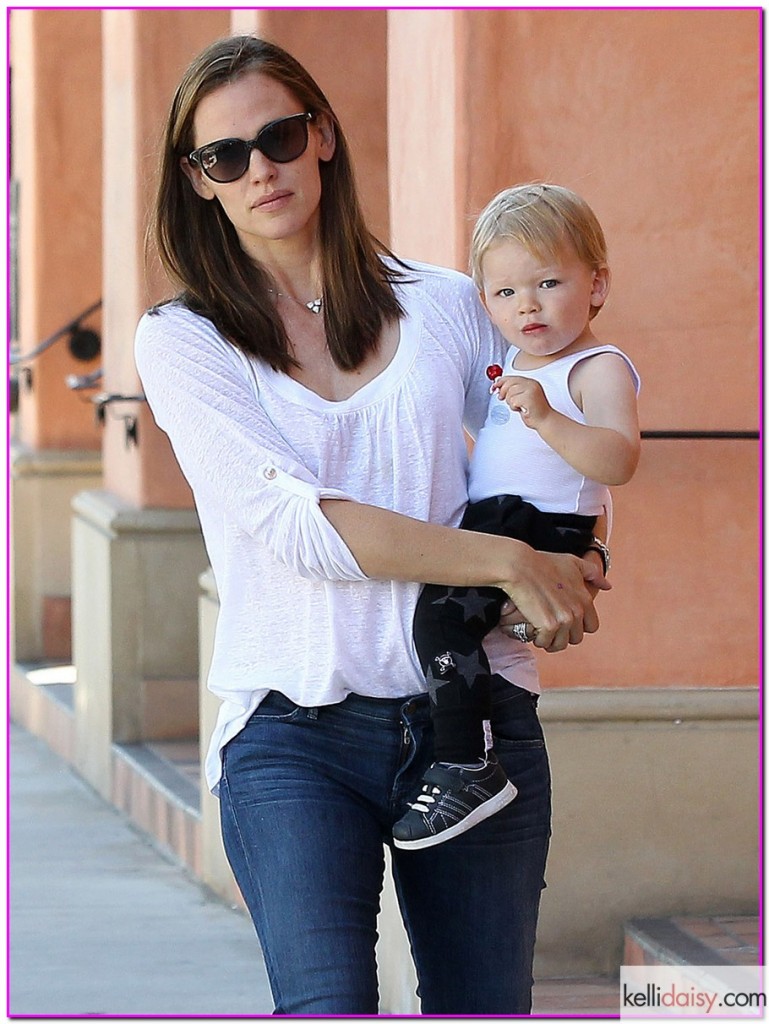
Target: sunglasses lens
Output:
[
  {"x": 225, "y": 161},
  {"x": 285, "y": 140}
]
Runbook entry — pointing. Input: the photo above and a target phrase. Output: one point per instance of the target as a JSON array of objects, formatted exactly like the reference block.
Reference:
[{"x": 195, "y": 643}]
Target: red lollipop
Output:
[{"x": 494, "y": 371}]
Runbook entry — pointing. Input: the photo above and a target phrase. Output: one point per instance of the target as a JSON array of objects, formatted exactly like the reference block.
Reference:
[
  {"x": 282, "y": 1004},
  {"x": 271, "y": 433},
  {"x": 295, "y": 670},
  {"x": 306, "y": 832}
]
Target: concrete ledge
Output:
[
  {"x": 47, "y": 462},
  {"x": 41, "y": 487},
  {"x": 134, "y": 626},
  {"x": 149, "y": 790},
  {"x": 655, "y": 814},
  {"x": 675, "y": 706},
  {"x": 114, "y": 517},
  {"x": 168, "y": 709}
]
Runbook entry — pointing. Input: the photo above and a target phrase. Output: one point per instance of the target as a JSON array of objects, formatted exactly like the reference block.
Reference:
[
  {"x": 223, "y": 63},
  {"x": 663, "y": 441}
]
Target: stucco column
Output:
[
  {"x": 138, "y": 548},
  {"x": 56, "y": 276},
  {"x": 427, "y": 134}
]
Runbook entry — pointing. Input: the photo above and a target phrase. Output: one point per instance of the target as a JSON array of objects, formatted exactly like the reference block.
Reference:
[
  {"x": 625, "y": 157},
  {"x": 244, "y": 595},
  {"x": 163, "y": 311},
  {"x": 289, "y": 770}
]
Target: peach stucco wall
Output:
[
  {"x": 653, "y": 116},
  {"x": 685, "y": 606},
  {"x": 145, "y": 52},
  {"x": 56, "y": 163}
]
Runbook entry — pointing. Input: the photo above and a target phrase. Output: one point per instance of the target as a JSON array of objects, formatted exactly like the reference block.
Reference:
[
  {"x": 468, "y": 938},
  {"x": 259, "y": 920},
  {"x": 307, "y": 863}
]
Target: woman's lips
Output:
[{"x": 273, "y": 201}]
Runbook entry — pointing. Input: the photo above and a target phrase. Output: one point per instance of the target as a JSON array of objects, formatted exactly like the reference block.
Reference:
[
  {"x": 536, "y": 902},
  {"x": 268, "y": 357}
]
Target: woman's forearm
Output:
[
  {"x": 548, "y": 589},
  {"x": 391, "y": 546}
]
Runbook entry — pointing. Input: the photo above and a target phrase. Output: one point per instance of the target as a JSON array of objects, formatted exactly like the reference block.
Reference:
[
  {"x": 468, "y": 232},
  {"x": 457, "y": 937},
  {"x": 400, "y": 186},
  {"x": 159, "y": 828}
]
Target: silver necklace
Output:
[{"x": 314, "y": 305}]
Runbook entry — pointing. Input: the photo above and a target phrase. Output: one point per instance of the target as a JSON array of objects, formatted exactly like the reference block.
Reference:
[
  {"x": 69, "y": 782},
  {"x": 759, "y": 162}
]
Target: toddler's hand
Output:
[{"x": 524, "y": 396}]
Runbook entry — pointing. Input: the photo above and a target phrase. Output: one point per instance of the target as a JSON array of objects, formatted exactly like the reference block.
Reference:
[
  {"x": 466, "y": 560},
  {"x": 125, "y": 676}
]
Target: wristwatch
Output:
[{"x": 599, "y": 546}]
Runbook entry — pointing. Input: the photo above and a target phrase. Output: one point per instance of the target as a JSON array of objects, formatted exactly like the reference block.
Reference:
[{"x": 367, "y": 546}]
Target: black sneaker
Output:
[{"x": 453, "y": 799}]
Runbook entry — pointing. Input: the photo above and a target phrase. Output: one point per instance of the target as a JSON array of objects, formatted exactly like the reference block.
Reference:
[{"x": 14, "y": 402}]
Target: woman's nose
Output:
[{"x": 259, "y": 167}]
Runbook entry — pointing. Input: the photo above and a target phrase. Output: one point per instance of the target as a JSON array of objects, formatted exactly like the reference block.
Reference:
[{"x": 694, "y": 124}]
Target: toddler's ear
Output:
[{"x": 601, "y": 285}]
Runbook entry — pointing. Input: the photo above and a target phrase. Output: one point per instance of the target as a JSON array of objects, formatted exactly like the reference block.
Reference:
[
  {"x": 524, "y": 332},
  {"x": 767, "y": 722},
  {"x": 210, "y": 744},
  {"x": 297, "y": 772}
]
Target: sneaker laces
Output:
[
  {"x": 427, "y": 799},
  {"x": 429, "y": 793}
]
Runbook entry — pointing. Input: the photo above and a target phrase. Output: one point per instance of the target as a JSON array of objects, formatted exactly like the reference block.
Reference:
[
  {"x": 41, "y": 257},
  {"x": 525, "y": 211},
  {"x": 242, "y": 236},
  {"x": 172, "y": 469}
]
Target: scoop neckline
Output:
[{"x": 369, "y": 393}]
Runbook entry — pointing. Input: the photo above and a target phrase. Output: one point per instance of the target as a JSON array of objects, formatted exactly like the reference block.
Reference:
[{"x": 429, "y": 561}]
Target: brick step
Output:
[
  {"x": 721, "y": 940},
  {"x": 160, "y": 797}
]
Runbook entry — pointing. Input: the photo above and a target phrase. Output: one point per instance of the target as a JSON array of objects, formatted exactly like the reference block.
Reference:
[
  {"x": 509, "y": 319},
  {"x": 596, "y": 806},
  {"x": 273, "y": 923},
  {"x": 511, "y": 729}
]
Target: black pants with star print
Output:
[{"x": 451, "y": 622}]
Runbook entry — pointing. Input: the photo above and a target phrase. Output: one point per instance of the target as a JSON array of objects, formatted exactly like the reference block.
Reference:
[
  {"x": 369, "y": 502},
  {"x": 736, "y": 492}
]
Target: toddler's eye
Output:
[
  {"x": 506, "y": 292},
  {"x": 549, "y": 283}
]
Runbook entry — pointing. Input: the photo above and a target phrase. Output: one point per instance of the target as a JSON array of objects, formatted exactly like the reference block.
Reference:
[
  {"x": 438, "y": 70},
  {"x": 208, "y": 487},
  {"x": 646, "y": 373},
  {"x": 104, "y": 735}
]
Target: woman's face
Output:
[{"x": 272, "y": 202}]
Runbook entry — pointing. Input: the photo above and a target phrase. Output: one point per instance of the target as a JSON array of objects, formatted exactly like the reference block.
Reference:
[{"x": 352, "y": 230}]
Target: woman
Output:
[{"x": 313, "y": 388}]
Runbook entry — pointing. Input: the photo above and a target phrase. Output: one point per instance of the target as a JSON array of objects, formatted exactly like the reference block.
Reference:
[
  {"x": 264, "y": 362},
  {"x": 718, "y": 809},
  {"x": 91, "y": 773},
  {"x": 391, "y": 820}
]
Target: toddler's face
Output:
[{"x": 541, "y": 307}]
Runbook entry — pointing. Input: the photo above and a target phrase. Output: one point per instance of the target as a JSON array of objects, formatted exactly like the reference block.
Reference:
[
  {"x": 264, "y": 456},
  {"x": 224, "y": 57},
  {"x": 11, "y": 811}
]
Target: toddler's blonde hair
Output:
[{"x": 540, "y": 217}]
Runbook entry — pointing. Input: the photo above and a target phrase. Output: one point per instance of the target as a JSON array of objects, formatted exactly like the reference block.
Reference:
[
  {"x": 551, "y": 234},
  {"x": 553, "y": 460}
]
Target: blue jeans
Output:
[{"x": 308, "y": 798}]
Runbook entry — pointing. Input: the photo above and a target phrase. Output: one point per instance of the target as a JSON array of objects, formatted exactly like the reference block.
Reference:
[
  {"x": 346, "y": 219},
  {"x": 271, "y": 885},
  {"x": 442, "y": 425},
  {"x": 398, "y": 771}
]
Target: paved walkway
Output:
[{"x": 101, "y": 923}]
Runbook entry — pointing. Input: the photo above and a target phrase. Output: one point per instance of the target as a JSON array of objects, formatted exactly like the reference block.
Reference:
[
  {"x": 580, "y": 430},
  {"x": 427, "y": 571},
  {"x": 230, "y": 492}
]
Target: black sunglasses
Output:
[{"x": 281, "y": 141}]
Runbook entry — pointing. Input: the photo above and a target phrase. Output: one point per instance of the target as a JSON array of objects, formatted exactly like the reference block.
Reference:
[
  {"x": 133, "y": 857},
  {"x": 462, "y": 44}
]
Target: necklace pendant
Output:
[{"x": 315, "y": 305}]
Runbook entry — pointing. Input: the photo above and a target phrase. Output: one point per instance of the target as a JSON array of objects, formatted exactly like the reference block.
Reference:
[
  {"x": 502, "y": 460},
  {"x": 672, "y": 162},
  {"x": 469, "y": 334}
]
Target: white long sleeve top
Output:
[{"x": 260, "y": 451}]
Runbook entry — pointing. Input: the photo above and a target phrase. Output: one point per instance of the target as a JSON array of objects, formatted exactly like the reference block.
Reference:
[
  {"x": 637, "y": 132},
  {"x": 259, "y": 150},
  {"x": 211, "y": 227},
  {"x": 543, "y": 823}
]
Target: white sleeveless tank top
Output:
[{"x": 511, "y": 458}]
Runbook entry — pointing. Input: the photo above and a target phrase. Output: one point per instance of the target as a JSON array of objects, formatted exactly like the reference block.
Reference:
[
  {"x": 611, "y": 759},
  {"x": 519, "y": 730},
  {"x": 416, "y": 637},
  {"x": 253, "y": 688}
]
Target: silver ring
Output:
[{"x": 520, "y": 632}]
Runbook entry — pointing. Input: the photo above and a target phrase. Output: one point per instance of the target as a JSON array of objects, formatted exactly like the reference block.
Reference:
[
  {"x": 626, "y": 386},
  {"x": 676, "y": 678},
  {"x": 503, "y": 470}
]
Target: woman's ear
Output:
[
  {"x": 197, "y": 179},
  {"x": 327, "y": 134},
  {"x": 601, "y": 285}
]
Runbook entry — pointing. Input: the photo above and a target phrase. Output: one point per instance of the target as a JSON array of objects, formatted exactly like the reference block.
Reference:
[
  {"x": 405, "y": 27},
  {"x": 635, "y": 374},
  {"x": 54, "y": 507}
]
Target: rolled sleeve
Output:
[{"x": 232, "y": 456}]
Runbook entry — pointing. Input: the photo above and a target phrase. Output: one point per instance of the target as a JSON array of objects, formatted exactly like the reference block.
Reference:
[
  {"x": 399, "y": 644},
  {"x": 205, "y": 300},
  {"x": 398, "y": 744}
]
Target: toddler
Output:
[{"x": 562, "y": 427}]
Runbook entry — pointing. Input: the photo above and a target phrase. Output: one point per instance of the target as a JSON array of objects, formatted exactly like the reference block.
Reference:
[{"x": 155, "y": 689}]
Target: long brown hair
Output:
[{"x": 200, "y": 250}]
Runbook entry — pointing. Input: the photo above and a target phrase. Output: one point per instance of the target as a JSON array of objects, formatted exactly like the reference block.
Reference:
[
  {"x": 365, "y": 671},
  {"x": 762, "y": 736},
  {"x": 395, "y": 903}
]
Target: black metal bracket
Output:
[
  {"x": 102, "y": 402},
  {"x": 84, "y": 343}
]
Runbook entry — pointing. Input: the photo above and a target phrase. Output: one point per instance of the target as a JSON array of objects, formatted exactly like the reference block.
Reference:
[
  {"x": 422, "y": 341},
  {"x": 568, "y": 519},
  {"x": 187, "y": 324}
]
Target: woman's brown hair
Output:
[{"x": 200, "y": 250}]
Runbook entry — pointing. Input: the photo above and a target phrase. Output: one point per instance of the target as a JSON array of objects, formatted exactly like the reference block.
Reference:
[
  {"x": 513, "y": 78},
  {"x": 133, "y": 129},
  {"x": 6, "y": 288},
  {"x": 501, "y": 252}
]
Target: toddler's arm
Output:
[{"x": 607, "y": 447}]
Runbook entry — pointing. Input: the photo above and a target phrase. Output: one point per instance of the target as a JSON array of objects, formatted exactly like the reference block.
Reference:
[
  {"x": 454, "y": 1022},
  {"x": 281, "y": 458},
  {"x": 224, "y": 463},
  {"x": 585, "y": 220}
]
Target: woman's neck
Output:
[{"x": 294, "y": 264}]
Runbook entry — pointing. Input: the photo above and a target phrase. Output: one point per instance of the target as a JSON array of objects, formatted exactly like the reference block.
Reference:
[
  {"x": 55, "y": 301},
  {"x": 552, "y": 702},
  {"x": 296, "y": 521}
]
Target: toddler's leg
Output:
[
  {"x": 449, "y": 627},
  {"x": 466, "y": 784}
]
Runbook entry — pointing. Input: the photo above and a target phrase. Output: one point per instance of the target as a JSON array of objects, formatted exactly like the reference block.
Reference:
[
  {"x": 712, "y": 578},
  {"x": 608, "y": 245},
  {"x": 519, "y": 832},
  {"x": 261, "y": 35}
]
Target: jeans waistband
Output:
[
  {"x": 391, "y": 709},
  {"x": 386, "y": 709}
]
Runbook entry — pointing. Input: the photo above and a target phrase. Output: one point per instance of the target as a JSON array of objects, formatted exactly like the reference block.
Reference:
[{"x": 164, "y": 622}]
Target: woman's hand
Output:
[
  {"x": 554, "y": 593},
  {"x": 550, "y": 591}
]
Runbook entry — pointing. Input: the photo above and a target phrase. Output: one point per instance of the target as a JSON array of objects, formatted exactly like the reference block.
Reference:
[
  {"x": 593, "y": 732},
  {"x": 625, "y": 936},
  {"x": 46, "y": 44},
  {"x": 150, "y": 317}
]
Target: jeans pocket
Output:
[
  {"x": 515, "y": 724},
  {"x": 276, "y": 707}
]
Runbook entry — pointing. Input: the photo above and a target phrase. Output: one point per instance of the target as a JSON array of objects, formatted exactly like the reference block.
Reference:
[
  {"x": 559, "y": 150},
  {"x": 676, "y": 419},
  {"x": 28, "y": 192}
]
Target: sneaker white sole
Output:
[{"x": 481, "y": 812}]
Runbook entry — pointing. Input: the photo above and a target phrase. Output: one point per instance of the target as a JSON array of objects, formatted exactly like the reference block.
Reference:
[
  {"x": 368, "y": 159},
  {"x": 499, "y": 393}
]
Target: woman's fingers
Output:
[{"x": 551, "y": 594}]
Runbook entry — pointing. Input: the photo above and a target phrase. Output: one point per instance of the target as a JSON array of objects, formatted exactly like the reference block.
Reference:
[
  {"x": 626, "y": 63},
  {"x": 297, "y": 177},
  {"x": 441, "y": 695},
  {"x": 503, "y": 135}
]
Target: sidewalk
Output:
[{"x": 101, "y": 923}]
